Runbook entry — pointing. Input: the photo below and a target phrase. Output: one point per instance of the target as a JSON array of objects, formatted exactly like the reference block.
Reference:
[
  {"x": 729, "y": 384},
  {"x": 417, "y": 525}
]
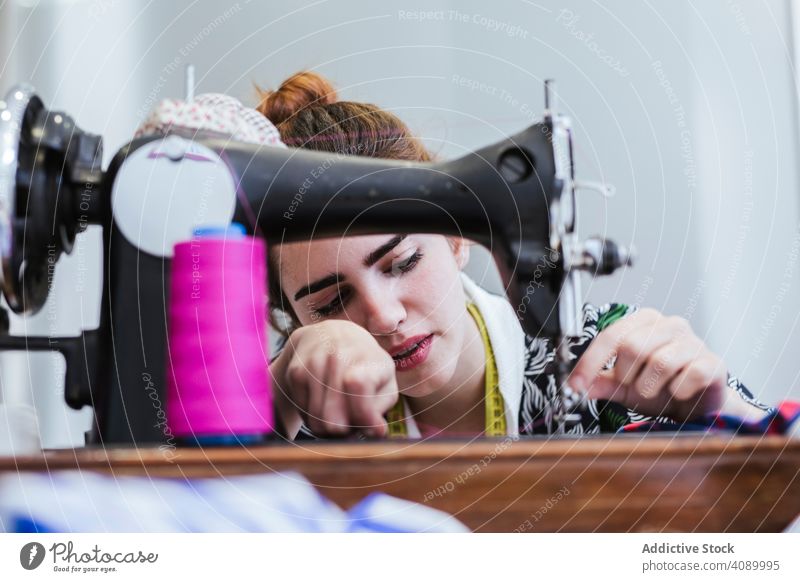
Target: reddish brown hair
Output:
[{"x": 306, "y": 111}]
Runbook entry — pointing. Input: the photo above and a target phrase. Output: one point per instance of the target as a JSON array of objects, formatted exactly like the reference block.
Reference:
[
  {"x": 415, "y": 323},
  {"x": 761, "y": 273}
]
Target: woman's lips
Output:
[{"x": 416, "y": 356}]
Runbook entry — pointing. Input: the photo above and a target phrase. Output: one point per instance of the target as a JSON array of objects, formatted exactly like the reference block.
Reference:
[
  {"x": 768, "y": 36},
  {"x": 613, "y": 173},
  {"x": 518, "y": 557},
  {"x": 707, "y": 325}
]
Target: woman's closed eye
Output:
[
  {"x": 398, "y": 267},
  {"x": 401, "y": 266},
  {"x": 335, "y": 306}
]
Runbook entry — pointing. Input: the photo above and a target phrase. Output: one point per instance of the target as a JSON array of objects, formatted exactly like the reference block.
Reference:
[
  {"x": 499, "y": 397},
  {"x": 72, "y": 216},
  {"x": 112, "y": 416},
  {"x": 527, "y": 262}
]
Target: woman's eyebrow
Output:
[
  {"x": 381, "y": 251},
  {"x": 327, "y": 281},
  {"x": 335, "y": 278}
]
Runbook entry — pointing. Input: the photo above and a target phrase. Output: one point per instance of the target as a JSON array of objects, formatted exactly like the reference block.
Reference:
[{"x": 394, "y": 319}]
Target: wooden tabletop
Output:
[{"x": 611, "y": 483}]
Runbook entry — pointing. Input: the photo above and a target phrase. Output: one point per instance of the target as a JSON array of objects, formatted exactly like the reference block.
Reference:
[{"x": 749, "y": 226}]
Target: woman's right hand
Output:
[{"x": 334, "y": 377}]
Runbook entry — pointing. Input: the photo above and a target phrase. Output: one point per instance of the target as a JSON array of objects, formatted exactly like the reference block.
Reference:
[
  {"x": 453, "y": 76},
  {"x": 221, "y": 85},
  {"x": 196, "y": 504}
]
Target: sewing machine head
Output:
[{"x": 516, "y": 197}]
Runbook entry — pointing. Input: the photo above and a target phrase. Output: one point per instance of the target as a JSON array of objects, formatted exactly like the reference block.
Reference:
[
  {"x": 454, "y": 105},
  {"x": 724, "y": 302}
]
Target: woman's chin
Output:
[
  {"x": 429, "y": 376},
  {"x": 418, "y": 391},
  {"x": 416, "y": 385}
]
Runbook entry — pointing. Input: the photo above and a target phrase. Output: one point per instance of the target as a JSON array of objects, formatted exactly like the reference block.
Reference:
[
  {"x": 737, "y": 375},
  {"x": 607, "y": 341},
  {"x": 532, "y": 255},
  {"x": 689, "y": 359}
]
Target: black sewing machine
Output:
[{"x": 516, "y": 197}]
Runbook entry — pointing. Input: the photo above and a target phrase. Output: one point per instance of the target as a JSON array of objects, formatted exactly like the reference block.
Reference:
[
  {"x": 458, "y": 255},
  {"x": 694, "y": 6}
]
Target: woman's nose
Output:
[{"x": 384, "y": 312}]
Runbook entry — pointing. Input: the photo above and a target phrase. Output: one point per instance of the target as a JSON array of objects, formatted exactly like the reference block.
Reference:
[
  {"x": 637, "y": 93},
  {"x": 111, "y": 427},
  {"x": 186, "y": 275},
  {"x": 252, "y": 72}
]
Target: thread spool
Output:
[{"x": 218, "y": 385}]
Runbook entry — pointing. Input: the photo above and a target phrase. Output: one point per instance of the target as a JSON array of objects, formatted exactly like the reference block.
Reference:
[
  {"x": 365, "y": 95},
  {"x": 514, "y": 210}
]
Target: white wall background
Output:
[{"x": 689, "y": 108}]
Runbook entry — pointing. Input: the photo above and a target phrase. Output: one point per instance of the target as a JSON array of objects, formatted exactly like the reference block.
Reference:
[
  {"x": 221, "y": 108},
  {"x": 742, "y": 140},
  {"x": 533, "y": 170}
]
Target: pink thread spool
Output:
[{"x": 218, "y": 386}]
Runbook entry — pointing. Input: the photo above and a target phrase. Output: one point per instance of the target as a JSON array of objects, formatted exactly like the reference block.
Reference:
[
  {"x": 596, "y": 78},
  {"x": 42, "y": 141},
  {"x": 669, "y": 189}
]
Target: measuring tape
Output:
[{"x": 495, "y": 405}]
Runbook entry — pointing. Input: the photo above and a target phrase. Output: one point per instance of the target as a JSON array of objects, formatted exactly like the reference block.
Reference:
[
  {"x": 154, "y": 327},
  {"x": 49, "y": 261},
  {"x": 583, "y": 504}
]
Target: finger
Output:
[
  {"x": 334, "y": 416},
  {"x": 387, "y": 394},
  {"x": 316, "y": 406},
  {"x": 700, "y": 387},
  {"x": 362, "y": 401},
  {"x": 377, "y": 431},
  {"x": 385, "y": 398},
  {"x": 380, "y": 430},
  {"x": 605, "y": 386},
  {"x": 605, "y": 346},
  {"x": 636, "y": 349},
  {"x": 647, "y": 393},
  {"x": 664, "y": 365},
  {"x": 297, "y": 389}
]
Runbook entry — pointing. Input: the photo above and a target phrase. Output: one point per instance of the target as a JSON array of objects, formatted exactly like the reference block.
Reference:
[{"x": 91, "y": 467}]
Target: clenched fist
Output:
[{"x": 334, "y": 377}]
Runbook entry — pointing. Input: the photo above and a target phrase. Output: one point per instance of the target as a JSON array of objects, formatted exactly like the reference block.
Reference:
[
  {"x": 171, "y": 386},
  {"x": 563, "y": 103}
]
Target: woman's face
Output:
[{"x": 404, "y": 289}]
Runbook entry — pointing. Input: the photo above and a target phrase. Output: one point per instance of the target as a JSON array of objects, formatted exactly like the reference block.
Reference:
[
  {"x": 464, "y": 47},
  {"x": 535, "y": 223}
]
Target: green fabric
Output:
[{"x": 616, "y": 312}]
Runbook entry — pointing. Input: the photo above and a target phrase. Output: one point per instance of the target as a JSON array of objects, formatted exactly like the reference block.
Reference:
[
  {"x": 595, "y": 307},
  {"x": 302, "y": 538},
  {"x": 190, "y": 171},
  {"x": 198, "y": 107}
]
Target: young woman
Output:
[{"x": 387, "y": 336}]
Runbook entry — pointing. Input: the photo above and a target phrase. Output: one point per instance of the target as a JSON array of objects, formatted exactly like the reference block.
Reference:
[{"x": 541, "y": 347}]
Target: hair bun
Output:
[{"x": 301, "y": 90}]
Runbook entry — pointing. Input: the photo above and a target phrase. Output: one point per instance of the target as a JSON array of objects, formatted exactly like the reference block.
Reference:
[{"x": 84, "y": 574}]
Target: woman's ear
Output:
[{"x": 460, "y": 248}]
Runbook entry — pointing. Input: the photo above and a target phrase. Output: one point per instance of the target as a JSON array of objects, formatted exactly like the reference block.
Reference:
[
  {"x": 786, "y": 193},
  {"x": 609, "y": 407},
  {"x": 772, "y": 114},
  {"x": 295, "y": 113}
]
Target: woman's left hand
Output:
[{"x": 662, "y": 369}]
